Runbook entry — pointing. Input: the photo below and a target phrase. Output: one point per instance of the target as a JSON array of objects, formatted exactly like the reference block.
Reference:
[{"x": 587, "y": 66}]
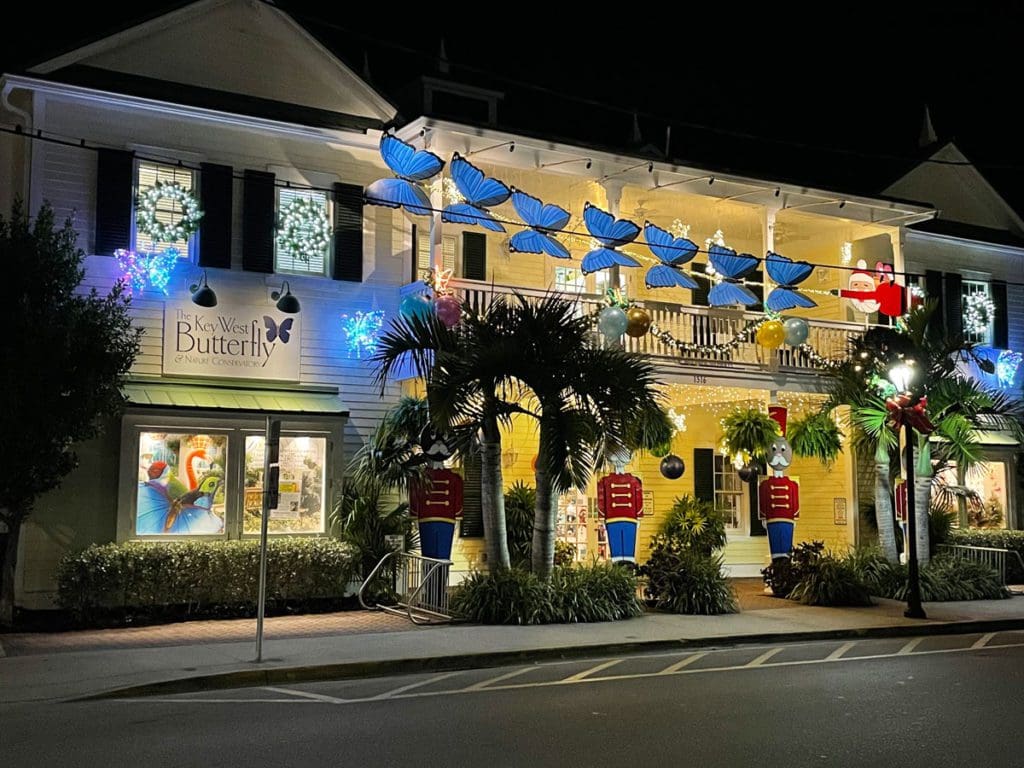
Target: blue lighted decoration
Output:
[
  {"x": 146, "y": 269},
  {"x": 479, "y": 193},
  {"x": 610, "y": 233},
  {"x": 673, "y": 252},
  {"x": 542, "y": 222},
  {"x": 411, "y": 166},
  {"x": 1007, "y": 367},
  {"x": 362, "y": 331},
  {"x": 731, "y": 268},
  {"x": 787, "y": 273}
]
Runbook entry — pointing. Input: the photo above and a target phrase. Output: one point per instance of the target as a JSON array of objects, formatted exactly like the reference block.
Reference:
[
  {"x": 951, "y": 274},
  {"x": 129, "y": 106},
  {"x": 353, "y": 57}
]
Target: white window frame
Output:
[
  {"x": 191, "y": 251},
  {"x": 328, "y": 204},
  {"x": 969, "y": 287},
  {"x": 742, "y": 527},
  {"x": 577, "y": 287}
]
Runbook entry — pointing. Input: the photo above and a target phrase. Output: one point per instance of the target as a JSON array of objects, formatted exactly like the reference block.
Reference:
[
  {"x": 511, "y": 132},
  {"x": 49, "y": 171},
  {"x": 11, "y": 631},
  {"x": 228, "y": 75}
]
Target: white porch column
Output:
[{"x": 613, "y": 193}]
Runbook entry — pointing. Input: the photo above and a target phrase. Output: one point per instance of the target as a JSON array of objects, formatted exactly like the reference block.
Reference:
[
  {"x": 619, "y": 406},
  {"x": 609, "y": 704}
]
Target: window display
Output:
[
  {"x": 987, "y": 481},
  {"x": 302, "y": 487},
  {"x": 181, "y": 484}
]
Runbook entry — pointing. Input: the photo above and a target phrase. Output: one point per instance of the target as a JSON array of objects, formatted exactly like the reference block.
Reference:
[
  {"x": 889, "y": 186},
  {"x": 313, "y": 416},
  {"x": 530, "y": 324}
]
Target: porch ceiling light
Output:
[
  {"x": 286, "y": 302},
  {"x": 202, "y": 294}
]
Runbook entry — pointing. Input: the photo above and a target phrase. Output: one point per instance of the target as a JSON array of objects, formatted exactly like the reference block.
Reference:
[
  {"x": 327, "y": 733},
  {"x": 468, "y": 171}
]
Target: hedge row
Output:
[
  {"x": 199, "y": 578},
  {"x": 981, "y": 537}
]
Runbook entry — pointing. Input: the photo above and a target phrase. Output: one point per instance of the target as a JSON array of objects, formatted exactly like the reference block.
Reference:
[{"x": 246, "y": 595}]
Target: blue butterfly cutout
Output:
[
  {"x": 480, "y": 192},
  {"x": 275, "y": 331},
  {"x": 410, "y": 166},
  {"x": 610, "y": 233},
  {"x": 787, "y": 273},
  {"x": 732, "y": 267},
  {"x": 542, "y": 221},
  {"x": 673, "y": 252}
]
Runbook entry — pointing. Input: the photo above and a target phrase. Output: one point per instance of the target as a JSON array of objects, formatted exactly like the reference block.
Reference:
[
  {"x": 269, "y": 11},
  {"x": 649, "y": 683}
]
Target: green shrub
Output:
[
  {"x": 693, "y": 524},
  {"x": 520, "y": 501},
  {"x": 681, "y": 580},
  {"x": 940, "y": 526},
  {"x": 814, "y": 576},
  {"x": 596, "y": 592},
  {"x": 199, "y": 578},
  {"x": 1000, "y": 539},
  {"x": 565, "y": 553},
  {"x": 944, "y": 578}
]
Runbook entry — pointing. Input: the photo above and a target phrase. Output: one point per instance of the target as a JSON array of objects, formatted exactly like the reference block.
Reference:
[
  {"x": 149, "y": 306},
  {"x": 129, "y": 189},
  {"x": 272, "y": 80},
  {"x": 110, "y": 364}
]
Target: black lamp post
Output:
[{"x": 901, "y": 376}]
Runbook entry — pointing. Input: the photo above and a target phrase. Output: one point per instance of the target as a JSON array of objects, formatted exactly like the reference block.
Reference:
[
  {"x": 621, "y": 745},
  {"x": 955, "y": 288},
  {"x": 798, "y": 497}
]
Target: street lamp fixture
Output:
[
  {"x": 902, "y": 377},
  {"x": 286, "y": 302}
]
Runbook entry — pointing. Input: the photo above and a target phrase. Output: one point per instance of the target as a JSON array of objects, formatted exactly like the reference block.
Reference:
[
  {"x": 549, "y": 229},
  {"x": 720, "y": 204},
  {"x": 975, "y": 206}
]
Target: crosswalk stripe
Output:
[
  {"x": 982, "y": 641},
  {"x": 909, "y": 647},
  {"x": 500, "y": 678},
  {"x": 684, "y": 663},
  {"x": 763, "y": 657},
  {"x": 306, "y": 695},
  {"x": 838, "y": 652},
  {"x": 588, "y": 672},
  {"x": 411, "y": 686}
]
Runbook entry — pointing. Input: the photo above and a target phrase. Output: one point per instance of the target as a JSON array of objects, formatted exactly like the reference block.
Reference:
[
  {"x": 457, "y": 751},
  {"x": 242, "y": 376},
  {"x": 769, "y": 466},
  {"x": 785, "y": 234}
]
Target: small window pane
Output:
[
  {"x": 167, "y": 211},
  {"x": 971, "y": 288},
  {"x": 569, "y": 280},
  {"x": 728, "y": 492},
  {"x": 285, "y": 261},
  {"x": 180, "y": 484},
  {"x": 302, "y": 489}
]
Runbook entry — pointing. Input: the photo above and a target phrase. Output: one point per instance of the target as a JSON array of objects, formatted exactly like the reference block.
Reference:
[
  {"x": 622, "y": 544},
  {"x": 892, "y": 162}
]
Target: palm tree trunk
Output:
[
  {"x": 961, "y": 500},
  {"x": 883, "y": 505},
  {"x": 922, "y": 499},
  {"x": 492, "y": 495},
  {"x": 544, "y": 515}
]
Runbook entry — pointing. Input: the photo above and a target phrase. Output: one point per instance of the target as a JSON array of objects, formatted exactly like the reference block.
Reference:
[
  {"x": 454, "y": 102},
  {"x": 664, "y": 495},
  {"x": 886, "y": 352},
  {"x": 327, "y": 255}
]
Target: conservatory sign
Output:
[{"x": 234, "y": 341}]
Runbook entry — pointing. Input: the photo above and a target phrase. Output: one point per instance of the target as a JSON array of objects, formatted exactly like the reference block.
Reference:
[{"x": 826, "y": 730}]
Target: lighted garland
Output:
[
  {"x": 158, "y": 231},
  {"x": 303, "y": 229},
  {"x": 978, "y": 312},
  {"x": 146, "y": 269}
]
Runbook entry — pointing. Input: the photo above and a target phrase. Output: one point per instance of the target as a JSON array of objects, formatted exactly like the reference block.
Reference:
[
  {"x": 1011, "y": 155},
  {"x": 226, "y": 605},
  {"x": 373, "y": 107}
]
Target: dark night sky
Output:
[{"x": 849, "y": 77}]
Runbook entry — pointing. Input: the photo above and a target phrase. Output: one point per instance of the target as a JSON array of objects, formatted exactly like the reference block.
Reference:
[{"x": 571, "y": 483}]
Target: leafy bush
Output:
[
  {"x": 565, "y": 553},
  {"x": 520, "y": 500},
  {"x": 364, "y": 520},
  {"x": 816, "y": 436},
  {"x": 682, "y": 580},
  {"x": 199, "y": 578},
  {"x": 814, "y": 576},
  {"x": 943, "y": 579},
  {"x": 693, "y": 524},
  {"x": 940, "y": 525},
  {"x": 597, "y": 592},
  {"x": 1013, "y": 540}
]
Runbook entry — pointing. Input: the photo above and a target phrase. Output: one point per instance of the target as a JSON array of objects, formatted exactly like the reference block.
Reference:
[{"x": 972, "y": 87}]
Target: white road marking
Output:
[
  {"x": 909, "y": 647},
  {"x": 306, "y": 695},
  {"x": 763, "y": 657},
  {"x": 411, "y": 686},
  {"x": 500, "y": 678},
  {"x": 684, "y": 663},
  {"x": 186, "y": 699},
  {"x": 982, "y": 641},
  {"x": 838, "y": 652},
  {"x": 588, "y": 672}
]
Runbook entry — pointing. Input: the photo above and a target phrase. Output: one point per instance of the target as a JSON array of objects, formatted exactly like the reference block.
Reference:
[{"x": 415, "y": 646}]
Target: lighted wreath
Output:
[
  {"x": 158, "y": 231},
  {"x": 978, "y": 312},
  {"x": 303, "y": 229}
]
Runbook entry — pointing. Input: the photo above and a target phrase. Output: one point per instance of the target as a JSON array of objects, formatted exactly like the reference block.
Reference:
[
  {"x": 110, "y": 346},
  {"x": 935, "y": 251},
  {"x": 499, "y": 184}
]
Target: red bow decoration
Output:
[{"x": 903, "y": 410}]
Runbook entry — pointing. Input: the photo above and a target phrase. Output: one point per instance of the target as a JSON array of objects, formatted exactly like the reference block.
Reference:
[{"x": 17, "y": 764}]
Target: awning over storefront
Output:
[{"x": 318, "y": 401}]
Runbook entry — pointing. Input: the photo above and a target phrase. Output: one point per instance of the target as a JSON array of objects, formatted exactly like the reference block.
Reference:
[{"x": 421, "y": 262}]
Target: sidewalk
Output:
[{"x": 52, "y": 674}]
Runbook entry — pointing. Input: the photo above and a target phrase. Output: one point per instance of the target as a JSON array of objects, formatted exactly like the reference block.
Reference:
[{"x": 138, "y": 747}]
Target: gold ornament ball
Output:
[
  {"x": 638, "y": 322},
  {"x": 771, "y": 334}
]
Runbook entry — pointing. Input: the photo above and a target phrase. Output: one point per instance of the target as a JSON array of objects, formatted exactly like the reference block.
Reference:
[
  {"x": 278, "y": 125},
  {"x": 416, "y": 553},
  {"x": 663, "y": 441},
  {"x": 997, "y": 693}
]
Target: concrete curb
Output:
[{"x": 245, "y": 678}]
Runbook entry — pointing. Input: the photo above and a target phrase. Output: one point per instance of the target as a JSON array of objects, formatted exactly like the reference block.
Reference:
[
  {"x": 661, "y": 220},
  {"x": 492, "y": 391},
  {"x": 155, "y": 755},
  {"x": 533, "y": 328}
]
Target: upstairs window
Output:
[
  {"x": 302, "y": 240},
  {"x": 168, "y": 211},
  {"x": 978, "y": 311},
  {"x": 570, "y": 280}
]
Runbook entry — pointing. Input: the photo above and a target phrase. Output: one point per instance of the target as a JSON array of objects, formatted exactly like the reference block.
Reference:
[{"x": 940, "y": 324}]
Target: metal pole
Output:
[
  {"x": 264, "y": 519},
  {"x": 914, "y": 609}
]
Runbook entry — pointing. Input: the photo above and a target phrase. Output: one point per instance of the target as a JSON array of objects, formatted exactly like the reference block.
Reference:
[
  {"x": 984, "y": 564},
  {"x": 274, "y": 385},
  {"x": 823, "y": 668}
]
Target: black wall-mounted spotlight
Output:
[
  {"x": 589, "y": 163},
  {"x": 286, "y": 302},
  {"x": 202, "y": 294}
]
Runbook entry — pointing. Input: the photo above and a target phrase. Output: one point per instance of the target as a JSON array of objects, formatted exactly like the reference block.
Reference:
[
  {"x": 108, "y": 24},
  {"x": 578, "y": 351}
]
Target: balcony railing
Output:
[{"x": 704, "y": 326}]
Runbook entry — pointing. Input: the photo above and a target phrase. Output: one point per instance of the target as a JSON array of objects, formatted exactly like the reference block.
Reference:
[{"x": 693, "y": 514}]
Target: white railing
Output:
[{"x": 705, "y": 326}]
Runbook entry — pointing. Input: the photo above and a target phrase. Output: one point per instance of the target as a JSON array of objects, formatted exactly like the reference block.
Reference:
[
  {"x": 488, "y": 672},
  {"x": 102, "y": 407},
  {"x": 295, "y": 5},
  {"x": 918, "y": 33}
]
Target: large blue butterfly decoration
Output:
[
  {"x": 480, "y": 192},
  {"x": 673, "y": 252},
  {"x": 610, "y": 233},
  {"x": 541, "y": 221},
  {"x": 732, "y": 268},
  {"x": 410, "y": 166},
  {"x": 787, "y": 273}
]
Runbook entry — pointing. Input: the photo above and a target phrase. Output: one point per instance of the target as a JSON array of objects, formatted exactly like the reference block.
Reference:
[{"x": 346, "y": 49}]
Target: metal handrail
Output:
[
  {"x": 413, "y": 607},
  {"x": 997, "y": 558}
]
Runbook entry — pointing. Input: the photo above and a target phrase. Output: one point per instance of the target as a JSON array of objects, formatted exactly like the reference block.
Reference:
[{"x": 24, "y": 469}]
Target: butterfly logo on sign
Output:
[{"x": 275, "y": 331}]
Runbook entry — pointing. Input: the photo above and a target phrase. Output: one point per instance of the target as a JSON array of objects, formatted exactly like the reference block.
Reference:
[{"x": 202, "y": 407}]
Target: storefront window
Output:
[
  {"x": 988, "y": 508},
  {"x": 180, "y": 484},
  {"x": 302, "y": 486}
]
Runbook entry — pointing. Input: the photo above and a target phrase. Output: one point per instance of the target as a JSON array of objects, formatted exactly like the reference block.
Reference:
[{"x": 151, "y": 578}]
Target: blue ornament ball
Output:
[
  {"x": 416, "y": 305},
  {"x": 796, "y": 331},
  {"x": 612, "y": 322}
]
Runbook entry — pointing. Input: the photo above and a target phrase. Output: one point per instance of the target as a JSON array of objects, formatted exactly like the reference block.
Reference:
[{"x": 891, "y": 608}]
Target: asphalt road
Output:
[{"x": 934, "y": 701}]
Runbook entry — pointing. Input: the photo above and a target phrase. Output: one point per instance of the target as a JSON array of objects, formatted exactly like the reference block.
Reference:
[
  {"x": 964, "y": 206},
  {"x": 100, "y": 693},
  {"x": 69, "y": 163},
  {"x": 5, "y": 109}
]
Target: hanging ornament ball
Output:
[
  {"x": 672, "y": 467},
  {"x": 449, "y": 310},
  {"x": 796, "y": 331},
  {"x": 661, "y": 450},
  {"x": 771, "y": 334},
  {"x": 415, "y": 305},
  {"x": 638, "y": 322},
  {"x": 747, "y": 473},
  {"x": 612, "y": 322}
]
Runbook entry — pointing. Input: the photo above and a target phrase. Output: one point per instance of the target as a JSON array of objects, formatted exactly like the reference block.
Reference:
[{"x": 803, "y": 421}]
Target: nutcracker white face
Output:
[{"x": 780, "y": 455}]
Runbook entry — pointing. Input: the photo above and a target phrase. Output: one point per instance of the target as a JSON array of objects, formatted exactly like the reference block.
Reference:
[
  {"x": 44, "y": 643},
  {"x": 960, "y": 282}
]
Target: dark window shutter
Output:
[
  {"x": 115, "y": 171},
  {"x": 1001, "y": 323},
  {"x": 472, "y": 526},
  {"x": 699, "y": 295},
  {"x": 933, "y": 292},
  {"x": 258, "y": 222},
  {"x": 215, "y": 192},
  {"x": 952, "y": 303},
  {"x": 756, "y": 526},
  {"x": 704, "y": 474},
  {"x": 756, "y": 276},
  {"x": 348, "y": 232},
  {"x": 474, "y": 256}
]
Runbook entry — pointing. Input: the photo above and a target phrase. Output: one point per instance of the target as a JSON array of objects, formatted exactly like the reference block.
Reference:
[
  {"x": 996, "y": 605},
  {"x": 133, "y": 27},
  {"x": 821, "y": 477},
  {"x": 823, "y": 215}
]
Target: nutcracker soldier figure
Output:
[
  {"x": 436, "y": 503},
  {"x": 779, "y": 496},
  {"x": 620, "y": 500}
]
